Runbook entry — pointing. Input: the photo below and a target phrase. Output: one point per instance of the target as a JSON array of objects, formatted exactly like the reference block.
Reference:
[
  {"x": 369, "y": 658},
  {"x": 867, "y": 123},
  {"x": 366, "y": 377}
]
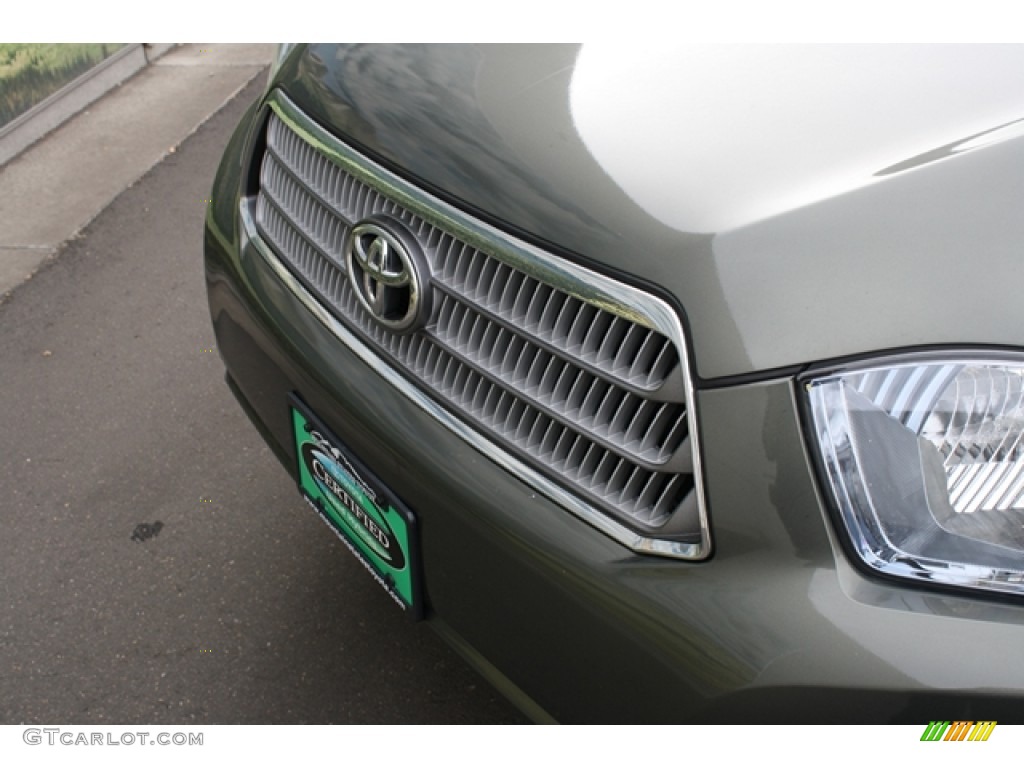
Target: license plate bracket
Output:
[{"x": 376, "y": 526}]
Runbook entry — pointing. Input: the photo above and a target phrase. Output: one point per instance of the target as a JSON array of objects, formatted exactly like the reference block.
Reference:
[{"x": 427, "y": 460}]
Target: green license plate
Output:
[{"x": 378, "y": 528}]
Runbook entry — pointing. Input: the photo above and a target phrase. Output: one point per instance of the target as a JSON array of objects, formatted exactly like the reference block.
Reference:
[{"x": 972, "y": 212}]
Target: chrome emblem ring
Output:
[{"x": 387, "y": 271}]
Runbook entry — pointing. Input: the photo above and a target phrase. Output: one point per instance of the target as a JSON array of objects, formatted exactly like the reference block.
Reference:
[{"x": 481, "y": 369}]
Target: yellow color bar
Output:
[{"x": 982, "y": 730}]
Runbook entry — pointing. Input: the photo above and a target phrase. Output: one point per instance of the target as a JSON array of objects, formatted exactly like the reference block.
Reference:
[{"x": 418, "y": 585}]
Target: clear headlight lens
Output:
[{"x": 925, "y": 461}]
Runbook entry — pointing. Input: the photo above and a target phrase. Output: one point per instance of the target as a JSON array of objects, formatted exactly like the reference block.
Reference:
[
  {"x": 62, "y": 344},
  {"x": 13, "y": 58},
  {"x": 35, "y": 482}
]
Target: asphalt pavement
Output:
[{"x": 156, "y": 563}]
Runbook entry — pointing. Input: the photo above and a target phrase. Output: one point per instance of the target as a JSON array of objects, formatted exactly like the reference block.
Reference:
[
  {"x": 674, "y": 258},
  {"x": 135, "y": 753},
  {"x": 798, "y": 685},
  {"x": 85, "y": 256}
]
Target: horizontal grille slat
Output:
[{"x": 589, "y": 397}]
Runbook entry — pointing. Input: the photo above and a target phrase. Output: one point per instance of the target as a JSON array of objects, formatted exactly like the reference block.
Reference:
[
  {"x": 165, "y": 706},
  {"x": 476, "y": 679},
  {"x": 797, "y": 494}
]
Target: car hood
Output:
[{"x": 798, "y": 203}]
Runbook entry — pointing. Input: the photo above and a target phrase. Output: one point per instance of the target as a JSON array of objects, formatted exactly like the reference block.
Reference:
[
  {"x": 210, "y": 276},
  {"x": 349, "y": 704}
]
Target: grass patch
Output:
[{"x": 29, "y": 72}]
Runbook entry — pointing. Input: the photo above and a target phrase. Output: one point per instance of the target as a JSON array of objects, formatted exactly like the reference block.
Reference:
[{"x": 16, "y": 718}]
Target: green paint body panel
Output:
[{"x": 778, "y": 625}]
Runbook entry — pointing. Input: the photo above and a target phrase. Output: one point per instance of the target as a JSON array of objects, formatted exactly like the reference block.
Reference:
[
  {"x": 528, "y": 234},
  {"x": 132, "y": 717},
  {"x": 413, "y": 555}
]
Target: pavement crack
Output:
[{"x": 174, "y": 652}]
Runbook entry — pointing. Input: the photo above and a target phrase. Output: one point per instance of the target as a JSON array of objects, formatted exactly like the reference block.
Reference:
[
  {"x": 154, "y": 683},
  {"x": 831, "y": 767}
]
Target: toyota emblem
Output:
[{"x": 387, "y": 272}]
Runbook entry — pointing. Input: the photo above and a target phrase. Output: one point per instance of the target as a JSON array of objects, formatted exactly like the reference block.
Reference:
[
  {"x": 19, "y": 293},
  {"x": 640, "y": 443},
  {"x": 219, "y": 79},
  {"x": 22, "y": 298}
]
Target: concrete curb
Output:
[
  {"x": 27, "y": 129},
  {"x": 62, "y": 181}
]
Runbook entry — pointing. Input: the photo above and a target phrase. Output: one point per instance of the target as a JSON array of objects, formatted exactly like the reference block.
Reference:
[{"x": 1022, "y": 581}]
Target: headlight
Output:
[{"x": 925, "y": 463}]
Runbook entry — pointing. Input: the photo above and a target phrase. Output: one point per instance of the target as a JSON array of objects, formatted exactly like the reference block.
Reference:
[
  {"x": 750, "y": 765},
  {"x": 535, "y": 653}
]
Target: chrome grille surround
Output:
[{"x": 575, "y": 382}]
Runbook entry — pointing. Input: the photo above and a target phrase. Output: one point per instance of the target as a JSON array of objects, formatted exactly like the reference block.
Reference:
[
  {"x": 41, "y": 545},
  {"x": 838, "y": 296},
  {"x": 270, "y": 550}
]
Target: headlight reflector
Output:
[{"x": 925, "y": 463}]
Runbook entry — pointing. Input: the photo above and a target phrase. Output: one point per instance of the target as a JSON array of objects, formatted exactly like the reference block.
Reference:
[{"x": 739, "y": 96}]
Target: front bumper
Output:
[{"x": 776, "y": 626}]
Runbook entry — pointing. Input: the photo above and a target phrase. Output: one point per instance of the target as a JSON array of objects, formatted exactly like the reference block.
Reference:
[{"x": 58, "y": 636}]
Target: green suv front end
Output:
[{"x": 641, "y": 450}]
